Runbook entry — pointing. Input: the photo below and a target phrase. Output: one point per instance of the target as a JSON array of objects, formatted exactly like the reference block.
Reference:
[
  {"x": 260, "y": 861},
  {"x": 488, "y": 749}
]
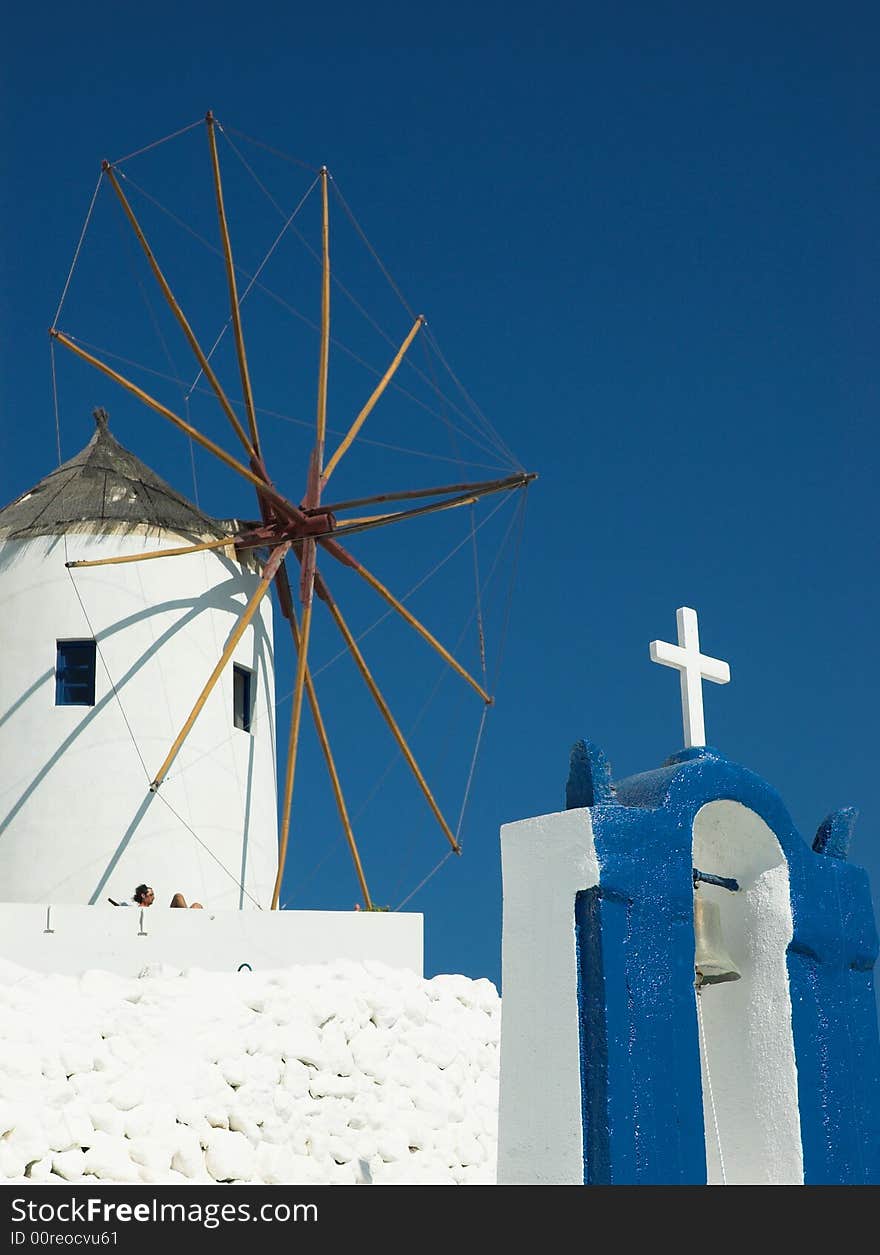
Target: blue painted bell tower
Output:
[{"x": 640, "y": 1048}]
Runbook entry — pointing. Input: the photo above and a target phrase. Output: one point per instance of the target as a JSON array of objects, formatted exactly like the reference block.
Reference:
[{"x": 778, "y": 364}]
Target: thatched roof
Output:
[{"x": 103, "y": 488}]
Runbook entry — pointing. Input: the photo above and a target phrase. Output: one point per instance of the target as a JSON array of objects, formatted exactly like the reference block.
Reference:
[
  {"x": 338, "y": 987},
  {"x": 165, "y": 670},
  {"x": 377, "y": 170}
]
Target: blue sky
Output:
[{"x": 646, "y": 242}]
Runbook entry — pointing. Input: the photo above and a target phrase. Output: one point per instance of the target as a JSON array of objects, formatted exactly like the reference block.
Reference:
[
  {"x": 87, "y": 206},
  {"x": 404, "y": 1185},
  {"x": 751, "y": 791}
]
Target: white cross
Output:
[{"x": 695, "y": 668}]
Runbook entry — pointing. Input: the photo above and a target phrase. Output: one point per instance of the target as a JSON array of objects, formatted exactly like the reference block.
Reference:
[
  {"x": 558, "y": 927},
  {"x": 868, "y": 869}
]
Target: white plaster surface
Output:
[
  {"x": 125, "y": 940},
  {"x": 749, "y": 1058},
  {"x": 77, "y": 822},
  {"x": 546, "y": 861},
  {"x": 327, "y": 1074}
]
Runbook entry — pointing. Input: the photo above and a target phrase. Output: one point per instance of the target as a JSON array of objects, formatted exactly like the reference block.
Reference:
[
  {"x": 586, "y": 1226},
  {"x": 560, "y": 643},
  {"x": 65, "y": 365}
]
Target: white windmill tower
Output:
[{"x": 100, "y": 666}]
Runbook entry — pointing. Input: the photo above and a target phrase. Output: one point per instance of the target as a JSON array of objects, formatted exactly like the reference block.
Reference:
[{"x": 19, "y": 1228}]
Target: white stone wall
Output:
[
  {"x": 338, "y": 1073},
  {"x": 546, "y": 862},
  {"x": 77, "y": 822}
]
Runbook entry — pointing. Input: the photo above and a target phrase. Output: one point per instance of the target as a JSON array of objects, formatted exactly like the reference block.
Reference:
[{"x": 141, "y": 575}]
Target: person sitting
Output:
[
  {"x": 142, "y": 896},
  {"x": 180, "y": 900}
]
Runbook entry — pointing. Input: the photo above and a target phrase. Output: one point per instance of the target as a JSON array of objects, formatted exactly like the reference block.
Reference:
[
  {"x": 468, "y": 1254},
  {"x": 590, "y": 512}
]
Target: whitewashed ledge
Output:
[{"x": 69, "y": 940}]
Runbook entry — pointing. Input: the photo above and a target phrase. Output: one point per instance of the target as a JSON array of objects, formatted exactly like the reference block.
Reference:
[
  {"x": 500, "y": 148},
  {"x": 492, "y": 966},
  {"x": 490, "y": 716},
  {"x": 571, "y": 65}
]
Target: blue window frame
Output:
[
  {"x": 75, "y": 673},
  {"x": 242, "y": 697}
]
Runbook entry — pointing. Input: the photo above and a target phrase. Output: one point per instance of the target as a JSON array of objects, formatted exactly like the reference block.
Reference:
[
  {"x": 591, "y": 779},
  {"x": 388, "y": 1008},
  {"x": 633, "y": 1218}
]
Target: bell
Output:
[{"x": 711, "y": 960}]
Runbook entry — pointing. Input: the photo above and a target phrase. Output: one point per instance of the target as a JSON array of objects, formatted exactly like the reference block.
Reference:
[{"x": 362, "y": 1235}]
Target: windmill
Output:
[{"x": 295, "y": 529}]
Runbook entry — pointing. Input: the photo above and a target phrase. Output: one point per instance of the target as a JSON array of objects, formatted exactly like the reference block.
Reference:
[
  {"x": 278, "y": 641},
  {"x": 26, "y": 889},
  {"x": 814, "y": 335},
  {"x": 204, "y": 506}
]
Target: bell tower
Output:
[{"x": 687, "y": 984}]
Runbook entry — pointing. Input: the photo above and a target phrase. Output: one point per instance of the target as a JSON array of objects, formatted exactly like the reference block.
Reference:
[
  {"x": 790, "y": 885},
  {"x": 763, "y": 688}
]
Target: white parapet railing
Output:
[{"x": 69, "y": 939}]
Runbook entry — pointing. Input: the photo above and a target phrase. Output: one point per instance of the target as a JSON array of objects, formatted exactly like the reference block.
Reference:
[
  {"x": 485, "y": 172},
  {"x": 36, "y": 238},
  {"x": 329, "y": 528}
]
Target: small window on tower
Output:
[
  {"x": 75, "y": 673},
  {"x": 242, "y": 697}
]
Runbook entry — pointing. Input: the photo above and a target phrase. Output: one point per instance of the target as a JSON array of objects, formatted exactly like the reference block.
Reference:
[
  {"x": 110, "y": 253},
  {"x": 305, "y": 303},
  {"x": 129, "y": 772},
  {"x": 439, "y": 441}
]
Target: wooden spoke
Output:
[
  {"x": 287, "y": 507},
  {"x": 300, "y": 526},
  {"x": 307, "y": 554},
  {"x": 349, "y": 560},
  {"x": 368, "y": 408},
  {"x": 369, "y": 519},
  {"x": 324, "y": 594},
  {"x": 323, "y": 362},
  {"x": 481, "y": 488},
  {"x": 177, "y": 311},
  {"x": 348, "y": 526},
  {"x": 292, "y": 748},
  {"x": 287, "y": 605},
  {"x": 156, "y": 553},
  {"x": 233, "y": 291},
  {"x": 238, "y": 632}
]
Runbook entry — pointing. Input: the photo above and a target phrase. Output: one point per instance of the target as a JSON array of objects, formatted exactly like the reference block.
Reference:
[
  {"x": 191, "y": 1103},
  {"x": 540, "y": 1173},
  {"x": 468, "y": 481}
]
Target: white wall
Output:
[
  {"x": 84, "y": 938},
  {"x": 77, "y": 822},
  {"x": 545, "y": 862},
  {"x": 749, "y": 1061}
]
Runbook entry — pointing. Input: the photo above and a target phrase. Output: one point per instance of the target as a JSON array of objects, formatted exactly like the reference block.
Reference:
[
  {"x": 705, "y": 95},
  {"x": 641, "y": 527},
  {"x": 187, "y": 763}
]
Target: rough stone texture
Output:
[{"x": 284, "y": 1077}]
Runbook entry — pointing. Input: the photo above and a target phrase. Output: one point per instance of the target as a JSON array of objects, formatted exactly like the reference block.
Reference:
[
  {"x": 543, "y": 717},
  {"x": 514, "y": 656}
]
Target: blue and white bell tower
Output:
[{"x": 636, "y": 1051}]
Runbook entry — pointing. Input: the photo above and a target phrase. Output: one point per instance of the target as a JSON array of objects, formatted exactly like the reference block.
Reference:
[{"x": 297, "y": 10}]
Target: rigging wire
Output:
[
  {"x": 253, "y": 281},
  {"x": 276, "y": 152},
  {"x": 256, "y": 178},
  {"x": 156, "y": 142},
  {"x": 513, "y": 573},
  {"x": 192, "y": 452},
  {"x": 378, "y": 260},
  {"x": 172, "y": 364},
  {"x": 107, "y": 669},
  {"x": 472, "y": 516},
  {"x": 470, "y": 779},
  {"x": 209, "y": 851},
  {"x": 480, "y": 626},
  {"x": 55, "y": 398},
  {"x": 57, "y": 409},
  {"x": 422, "y": 883},
  {"x": 384, "y": 444},
  {"x": 412, "y": 851},
  {"x": 501, "y": 444},
  {"x": 82, "y": 236}
]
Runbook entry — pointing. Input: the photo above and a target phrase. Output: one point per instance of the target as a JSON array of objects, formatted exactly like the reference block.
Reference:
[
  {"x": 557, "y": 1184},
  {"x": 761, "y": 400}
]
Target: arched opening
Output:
[{"x": 749, "y": 1075}]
